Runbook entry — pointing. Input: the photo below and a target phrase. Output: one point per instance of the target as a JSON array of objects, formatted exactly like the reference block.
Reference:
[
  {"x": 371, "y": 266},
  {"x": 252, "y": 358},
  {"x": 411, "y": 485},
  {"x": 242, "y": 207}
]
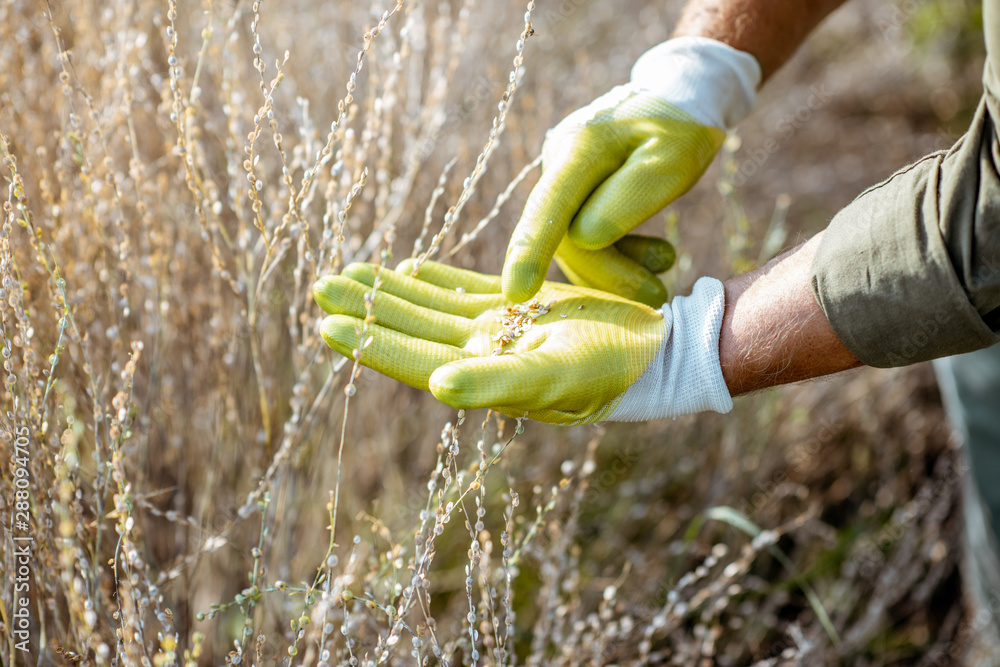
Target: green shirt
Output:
[{"x": 910, "y": 270}]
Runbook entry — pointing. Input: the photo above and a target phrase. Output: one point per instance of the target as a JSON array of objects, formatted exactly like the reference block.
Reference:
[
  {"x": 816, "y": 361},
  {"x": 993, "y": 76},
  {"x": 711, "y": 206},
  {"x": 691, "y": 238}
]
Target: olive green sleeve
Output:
[{"x": 910, "y": 270}]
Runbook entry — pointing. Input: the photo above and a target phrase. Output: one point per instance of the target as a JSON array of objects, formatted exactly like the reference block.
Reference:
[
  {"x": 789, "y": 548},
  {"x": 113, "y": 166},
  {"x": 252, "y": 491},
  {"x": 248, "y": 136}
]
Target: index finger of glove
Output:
[
  {"x": 521, "y": 382},
  {"x": 451, "y": 300},
  {"x": 341, "y": 295},
  {"x": 540, "y": 383},
  {"x": 551, "y": 207},
  {"x": 391, "y": 353},
  {"x": 450, "y": 277}
]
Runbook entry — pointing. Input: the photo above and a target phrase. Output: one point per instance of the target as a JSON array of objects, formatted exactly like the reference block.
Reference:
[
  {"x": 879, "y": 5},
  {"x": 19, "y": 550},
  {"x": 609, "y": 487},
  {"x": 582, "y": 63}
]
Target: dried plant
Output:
[{"x": 192, "y": 477}]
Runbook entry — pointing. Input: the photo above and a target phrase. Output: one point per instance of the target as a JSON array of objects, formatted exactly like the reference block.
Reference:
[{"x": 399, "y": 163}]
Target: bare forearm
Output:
[
  {"x": 769, "y": 30},
  {"x": 773, "y": 331}
]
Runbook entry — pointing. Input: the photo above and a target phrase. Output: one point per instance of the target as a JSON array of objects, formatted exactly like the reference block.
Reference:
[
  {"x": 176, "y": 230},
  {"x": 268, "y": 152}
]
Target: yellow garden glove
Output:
[
  {"x": 573, "y": 355},
  {"x": 610, "y": 166}
]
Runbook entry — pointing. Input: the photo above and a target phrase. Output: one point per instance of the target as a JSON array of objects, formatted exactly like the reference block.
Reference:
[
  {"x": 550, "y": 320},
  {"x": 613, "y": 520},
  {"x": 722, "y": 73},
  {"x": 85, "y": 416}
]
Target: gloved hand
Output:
[
  {"x": 574, "y": 355},
  {"x": 610, "y": 166}
]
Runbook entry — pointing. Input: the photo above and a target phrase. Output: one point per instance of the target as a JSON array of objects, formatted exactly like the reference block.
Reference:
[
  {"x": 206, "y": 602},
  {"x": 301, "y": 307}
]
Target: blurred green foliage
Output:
[{"x": 952, "y": 28}]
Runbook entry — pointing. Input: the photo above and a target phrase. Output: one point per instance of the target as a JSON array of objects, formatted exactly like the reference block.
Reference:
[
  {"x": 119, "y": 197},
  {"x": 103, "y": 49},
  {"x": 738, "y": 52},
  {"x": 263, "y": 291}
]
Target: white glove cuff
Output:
[
  {"x": 711, "y": 81},
  {"x": 685, "y": 376}
]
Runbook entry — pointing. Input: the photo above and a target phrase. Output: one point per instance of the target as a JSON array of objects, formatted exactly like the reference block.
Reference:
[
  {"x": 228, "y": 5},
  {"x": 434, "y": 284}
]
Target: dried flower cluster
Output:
[{"x": 515, "y": 321}]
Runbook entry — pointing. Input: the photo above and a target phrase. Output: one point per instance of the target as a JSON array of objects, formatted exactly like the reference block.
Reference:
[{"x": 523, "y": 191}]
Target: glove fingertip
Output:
[
  {"x": 522, "y": 278},
  {"x": 340, "y": 333},
  {"x": 329, "y": 291},
  {"x": 594, "y": 232},
  {"x": 320, "y": 288},
  {"x": 454, "y": 386},
  {"x": 652, "y": 292},
  {"x": 362, "y": 272},
  {"x": 654, "y": 253},
  {"x": 406, "y": 266}
]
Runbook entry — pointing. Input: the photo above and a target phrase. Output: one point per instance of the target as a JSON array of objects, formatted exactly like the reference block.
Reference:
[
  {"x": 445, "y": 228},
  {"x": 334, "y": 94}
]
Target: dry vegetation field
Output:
[{"x": 199, "y": 480}]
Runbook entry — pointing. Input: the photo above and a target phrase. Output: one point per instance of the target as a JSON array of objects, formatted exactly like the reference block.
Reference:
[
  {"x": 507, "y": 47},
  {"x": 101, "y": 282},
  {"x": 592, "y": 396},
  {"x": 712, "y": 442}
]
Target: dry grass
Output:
[{"x": 208, "y": 483}]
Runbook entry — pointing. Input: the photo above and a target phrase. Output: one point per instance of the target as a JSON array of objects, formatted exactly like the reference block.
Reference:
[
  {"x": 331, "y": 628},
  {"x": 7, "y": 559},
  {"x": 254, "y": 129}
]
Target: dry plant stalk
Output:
[{"x": 197, "y": 478}]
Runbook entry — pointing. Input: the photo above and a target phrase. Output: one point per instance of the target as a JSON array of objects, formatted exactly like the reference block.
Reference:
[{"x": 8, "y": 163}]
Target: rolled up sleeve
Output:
[{"x": 910, "y": 270}]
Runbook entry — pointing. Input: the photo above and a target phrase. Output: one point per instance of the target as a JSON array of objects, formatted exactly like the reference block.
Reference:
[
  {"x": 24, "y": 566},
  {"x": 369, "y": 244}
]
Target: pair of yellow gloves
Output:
[{"x": 608, "y": 347}]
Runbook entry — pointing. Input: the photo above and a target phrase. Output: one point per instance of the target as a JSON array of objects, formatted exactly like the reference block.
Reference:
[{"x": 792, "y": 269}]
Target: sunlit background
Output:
[{"x": 170, "y": 199}]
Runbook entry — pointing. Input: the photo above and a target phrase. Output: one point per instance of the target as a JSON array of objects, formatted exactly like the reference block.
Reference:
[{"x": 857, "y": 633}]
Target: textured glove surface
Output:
[
  {"x": 439, "y": 331},
  {"x": 613, "y": 164},
  {"x": 686, "y": 375},
  {"x": 607, "y": 168}
]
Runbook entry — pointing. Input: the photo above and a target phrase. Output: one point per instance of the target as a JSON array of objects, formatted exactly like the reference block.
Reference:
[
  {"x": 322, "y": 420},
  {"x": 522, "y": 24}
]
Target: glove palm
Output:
[{"x": 572, "y": 364}]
